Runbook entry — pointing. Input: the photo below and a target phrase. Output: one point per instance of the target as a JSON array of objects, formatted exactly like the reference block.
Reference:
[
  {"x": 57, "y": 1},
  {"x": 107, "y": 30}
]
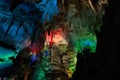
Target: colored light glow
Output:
[
  {"x": 56, "y": 36},
  {"x": 33, "y": 57},
  {"x": 35, "y": 48},
  {"x": 87, "y": 42},
  {"x": 49, "y": 8},
  {"x": 5, "y": 55}
]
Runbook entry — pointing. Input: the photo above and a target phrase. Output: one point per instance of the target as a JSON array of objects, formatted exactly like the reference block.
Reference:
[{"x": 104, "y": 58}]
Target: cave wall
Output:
[{"x": 28, "y": 20}]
